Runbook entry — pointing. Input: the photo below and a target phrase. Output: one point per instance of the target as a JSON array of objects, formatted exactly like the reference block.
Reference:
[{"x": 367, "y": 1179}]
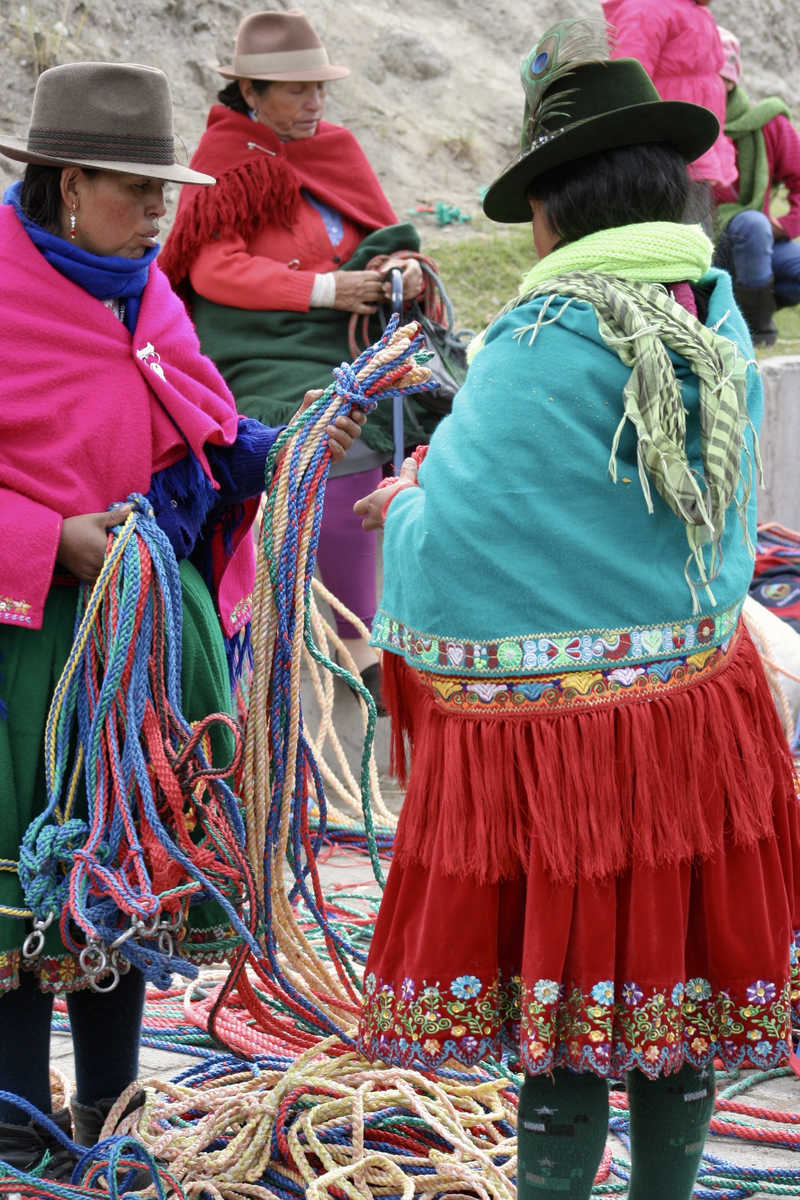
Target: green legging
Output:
[{"x": 563, "y": 1124}]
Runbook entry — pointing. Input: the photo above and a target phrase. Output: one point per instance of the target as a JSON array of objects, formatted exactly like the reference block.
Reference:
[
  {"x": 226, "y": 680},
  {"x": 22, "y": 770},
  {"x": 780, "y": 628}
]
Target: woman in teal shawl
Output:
[{"x": 594, "y": 867}]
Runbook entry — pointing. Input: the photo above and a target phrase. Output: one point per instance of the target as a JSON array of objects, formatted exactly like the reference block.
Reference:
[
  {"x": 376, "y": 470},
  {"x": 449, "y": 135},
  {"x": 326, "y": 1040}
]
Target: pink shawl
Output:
[{"x": 90, "y": 412}]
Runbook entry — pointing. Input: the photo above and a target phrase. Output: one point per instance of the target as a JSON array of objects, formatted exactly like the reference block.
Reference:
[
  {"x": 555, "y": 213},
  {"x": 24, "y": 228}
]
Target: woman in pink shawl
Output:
[
  {"x": 678, "y": 43},
  {"x": 105, "y": 393}
]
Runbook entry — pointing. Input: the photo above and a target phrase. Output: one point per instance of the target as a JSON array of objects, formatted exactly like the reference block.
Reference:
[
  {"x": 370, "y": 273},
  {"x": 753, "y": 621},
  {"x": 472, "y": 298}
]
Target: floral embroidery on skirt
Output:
[{"x": 423, "y": 1024}]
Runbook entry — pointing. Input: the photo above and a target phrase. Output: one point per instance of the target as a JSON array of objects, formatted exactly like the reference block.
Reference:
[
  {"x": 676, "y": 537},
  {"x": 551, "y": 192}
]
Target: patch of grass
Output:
[
  {"x": 481, "y": 265},
  {"x": 788, "y": 322}
]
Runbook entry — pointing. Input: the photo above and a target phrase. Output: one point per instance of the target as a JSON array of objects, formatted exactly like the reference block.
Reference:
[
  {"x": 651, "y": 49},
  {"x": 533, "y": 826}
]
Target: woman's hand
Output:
[
  {"x": 358, "y": 291},
  {"x": 82, "y": 546},
  {"x": 344, "y": 430},
  {"x": 372, "y": 508},
  {"x": 413, "y": 279}
]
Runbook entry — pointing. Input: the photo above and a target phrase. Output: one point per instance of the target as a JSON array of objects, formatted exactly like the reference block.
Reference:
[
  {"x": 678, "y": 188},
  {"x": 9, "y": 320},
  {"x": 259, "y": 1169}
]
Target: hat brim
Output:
[
  {"x": 690, "y": 128},
  {"x": 173, "y": 173},
  {"x": 318, "y": 75}
]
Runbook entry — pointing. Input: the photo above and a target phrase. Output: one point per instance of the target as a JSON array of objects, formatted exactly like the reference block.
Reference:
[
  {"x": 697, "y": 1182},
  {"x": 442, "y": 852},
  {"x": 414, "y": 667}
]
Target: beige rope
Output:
[{"x": 179, "y": 1125}]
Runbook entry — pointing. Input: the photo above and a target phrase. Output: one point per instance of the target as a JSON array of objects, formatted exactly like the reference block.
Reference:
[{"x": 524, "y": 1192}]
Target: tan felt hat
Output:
[{"x": 280, "y": 46}]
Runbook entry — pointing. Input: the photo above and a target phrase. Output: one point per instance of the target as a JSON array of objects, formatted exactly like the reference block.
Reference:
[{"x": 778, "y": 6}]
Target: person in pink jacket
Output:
[
  {"x": 756, "y": 247},
  {"x": 678, "y": 43}
]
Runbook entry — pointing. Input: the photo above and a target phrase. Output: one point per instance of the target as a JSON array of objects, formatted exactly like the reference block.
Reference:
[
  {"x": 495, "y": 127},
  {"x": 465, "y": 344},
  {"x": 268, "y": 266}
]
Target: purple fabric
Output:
[
  {"x": 347, "y": 556},
  {"x": 783, "y": 163},
  {"x": 684, "y": 295}
]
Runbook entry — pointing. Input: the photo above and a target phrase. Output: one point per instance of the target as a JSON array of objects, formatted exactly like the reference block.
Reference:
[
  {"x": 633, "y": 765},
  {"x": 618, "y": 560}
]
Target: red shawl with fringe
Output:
[{"x": 259, "y": 178}]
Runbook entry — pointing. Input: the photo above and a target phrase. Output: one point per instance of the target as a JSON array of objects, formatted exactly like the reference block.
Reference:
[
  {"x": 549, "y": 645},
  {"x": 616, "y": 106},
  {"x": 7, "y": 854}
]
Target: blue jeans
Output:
[{"x": 749, "y": 251}]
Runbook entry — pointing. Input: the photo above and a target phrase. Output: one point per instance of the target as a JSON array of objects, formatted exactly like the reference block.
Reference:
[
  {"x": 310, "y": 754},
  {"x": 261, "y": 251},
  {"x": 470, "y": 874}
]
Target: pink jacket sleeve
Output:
[{"x": 783, "y": 152}]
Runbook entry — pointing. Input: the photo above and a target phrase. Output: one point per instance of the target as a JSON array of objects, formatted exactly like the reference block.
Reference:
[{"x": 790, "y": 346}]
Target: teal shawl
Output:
[
  {"x": 520, "y": 552},
  {"x": 744, "y": 125}
]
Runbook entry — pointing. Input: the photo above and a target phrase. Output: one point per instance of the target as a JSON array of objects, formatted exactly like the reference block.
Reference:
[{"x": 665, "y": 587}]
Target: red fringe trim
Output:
[
  {"x": 653, "y": 781},
  {"x": 245, "y": 199}
]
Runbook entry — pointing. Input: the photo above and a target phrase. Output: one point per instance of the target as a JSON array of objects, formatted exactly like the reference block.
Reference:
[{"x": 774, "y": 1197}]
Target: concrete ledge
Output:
[{"x": 779, "y": 498}]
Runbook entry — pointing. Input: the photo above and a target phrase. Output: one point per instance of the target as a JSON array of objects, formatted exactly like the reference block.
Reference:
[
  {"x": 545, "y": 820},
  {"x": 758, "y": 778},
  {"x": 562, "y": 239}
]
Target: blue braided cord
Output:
[
  {"x": 282, "y": 1186},
  {"x": 721, "y": 1166},
  {"x": 301, "y": 886},
  {"x": 40, "y": 1118},
  {"x": 110, "y": 1151}
]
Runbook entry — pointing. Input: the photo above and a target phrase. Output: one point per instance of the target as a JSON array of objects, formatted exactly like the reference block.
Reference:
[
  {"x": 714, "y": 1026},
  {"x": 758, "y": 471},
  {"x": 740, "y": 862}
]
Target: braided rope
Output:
[
  {"x": 125, "y": 876},
  {"x": 281, "y": 778}
]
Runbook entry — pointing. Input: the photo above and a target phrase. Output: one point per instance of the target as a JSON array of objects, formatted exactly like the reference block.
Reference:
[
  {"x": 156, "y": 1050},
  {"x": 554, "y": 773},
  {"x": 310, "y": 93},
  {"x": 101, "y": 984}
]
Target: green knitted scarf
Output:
[
  {"x": 615, "y": 271},
  {"x": 744, "y": 125}
]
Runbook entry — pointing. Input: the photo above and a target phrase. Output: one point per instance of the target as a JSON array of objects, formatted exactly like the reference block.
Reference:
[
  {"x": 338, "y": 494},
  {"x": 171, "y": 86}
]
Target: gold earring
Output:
[{"x": 73, "y": 224}]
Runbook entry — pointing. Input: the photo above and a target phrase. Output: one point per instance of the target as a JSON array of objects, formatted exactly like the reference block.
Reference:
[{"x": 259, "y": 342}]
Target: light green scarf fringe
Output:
[{"x": 620, "y": 272}]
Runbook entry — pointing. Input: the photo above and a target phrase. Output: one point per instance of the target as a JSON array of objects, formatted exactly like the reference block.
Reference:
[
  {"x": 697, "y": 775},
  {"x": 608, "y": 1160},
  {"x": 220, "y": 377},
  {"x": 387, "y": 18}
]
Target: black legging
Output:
[{"x": 106, "y": 1030}]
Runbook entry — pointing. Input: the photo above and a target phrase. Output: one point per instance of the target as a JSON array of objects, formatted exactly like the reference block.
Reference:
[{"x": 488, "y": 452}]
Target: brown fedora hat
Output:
[
  {"x": 280, "y": 46},
  {"x": 115, "y": 116}
]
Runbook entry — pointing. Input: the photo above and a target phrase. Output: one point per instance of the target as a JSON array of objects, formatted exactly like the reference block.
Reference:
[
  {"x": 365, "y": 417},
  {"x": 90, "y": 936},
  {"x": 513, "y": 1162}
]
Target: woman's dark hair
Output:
[
  {"x": 232, "y": 97},
  {"x": 622, "y": 186},
  {"x": 40, "y": 197}
]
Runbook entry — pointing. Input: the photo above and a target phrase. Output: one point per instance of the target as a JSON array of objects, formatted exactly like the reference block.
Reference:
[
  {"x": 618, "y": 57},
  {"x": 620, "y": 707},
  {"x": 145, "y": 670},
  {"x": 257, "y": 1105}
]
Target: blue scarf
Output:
[{"x": 106, "y": 277}]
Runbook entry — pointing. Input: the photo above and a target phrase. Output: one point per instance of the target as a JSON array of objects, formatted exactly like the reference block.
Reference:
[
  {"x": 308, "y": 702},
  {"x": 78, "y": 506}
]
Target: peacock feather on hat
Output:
[{"x": 565, "y": 46}]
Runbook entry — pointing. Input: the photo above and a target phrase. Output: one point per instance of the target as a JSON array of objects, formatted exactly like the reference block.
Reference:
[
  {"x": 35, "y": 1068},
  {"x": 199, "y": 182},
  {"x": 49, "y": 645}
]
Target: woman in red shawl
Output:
[{"x": 275, "y": 258}]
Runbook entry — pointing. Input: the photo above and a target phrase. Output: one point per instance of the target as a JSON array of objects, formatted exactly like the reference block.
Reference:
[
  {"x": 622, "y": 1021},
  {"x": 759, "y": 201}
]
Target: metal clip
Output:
[
  {"x": 93, "y": 959},
  {"x": 123, "y": 937},
  {"x": 34, "y": 942},
  {"x": 96, "y": 967},
  {"x": 112, "y": 975}
]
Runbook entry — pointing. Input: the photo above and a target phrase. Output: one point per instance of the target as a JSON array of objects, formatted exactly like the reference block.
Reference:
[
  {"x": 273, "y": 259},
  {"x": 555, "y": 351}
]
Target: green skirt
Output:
[{"x": 31, "y": 662}]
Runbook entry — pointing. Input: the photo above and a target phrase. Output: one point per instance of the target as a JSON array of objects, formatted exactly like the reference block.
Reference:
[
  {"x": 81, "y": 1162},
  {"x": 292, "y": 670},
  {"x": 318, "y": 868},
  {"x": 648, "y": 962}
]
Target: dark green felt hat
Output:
[{"x": 588, "y": 107}]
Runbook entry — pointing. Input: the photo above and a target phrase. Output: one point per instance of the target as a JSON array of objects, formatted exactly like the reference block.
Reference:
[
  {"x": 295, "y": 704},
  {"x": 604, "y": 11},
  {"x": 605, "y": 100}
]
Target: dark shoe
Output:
[
  {"x": 25, "y": 1146},
  {"x": 88, "y": 1121},
  {"x": 758, "y": 307},
  {"x": 371, "y": 679}
]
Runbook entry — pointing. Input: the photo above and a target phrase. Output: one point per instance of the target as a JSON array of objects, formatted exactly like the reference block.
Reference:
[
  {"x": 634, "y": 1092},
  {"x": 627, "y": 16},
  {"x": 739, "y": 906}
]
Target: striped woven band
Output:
[{"x": 109, "y": 147}]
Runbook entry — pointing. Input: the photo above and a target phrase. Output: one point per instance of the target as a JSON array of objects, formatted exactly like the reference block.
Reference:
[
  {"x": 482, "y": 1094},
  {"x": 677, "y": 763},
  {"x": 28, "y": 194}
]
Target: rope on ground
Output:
[{"x": 339, "y": 777}]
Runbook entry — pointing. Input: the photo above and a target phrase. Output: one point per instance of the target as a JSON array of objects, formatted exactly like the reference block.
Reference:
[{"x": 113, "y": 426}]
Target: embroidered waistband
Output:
[
  {"x": 575, "y": 690},
  {"x": 552, "y": 652}
]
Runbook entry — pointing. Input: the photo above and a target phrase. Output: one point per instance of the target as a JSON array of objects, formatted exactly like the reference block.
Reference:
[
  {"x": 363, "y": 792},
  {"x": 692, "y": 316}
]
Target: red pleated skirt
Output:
[{"x": 598, "y": 871}]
